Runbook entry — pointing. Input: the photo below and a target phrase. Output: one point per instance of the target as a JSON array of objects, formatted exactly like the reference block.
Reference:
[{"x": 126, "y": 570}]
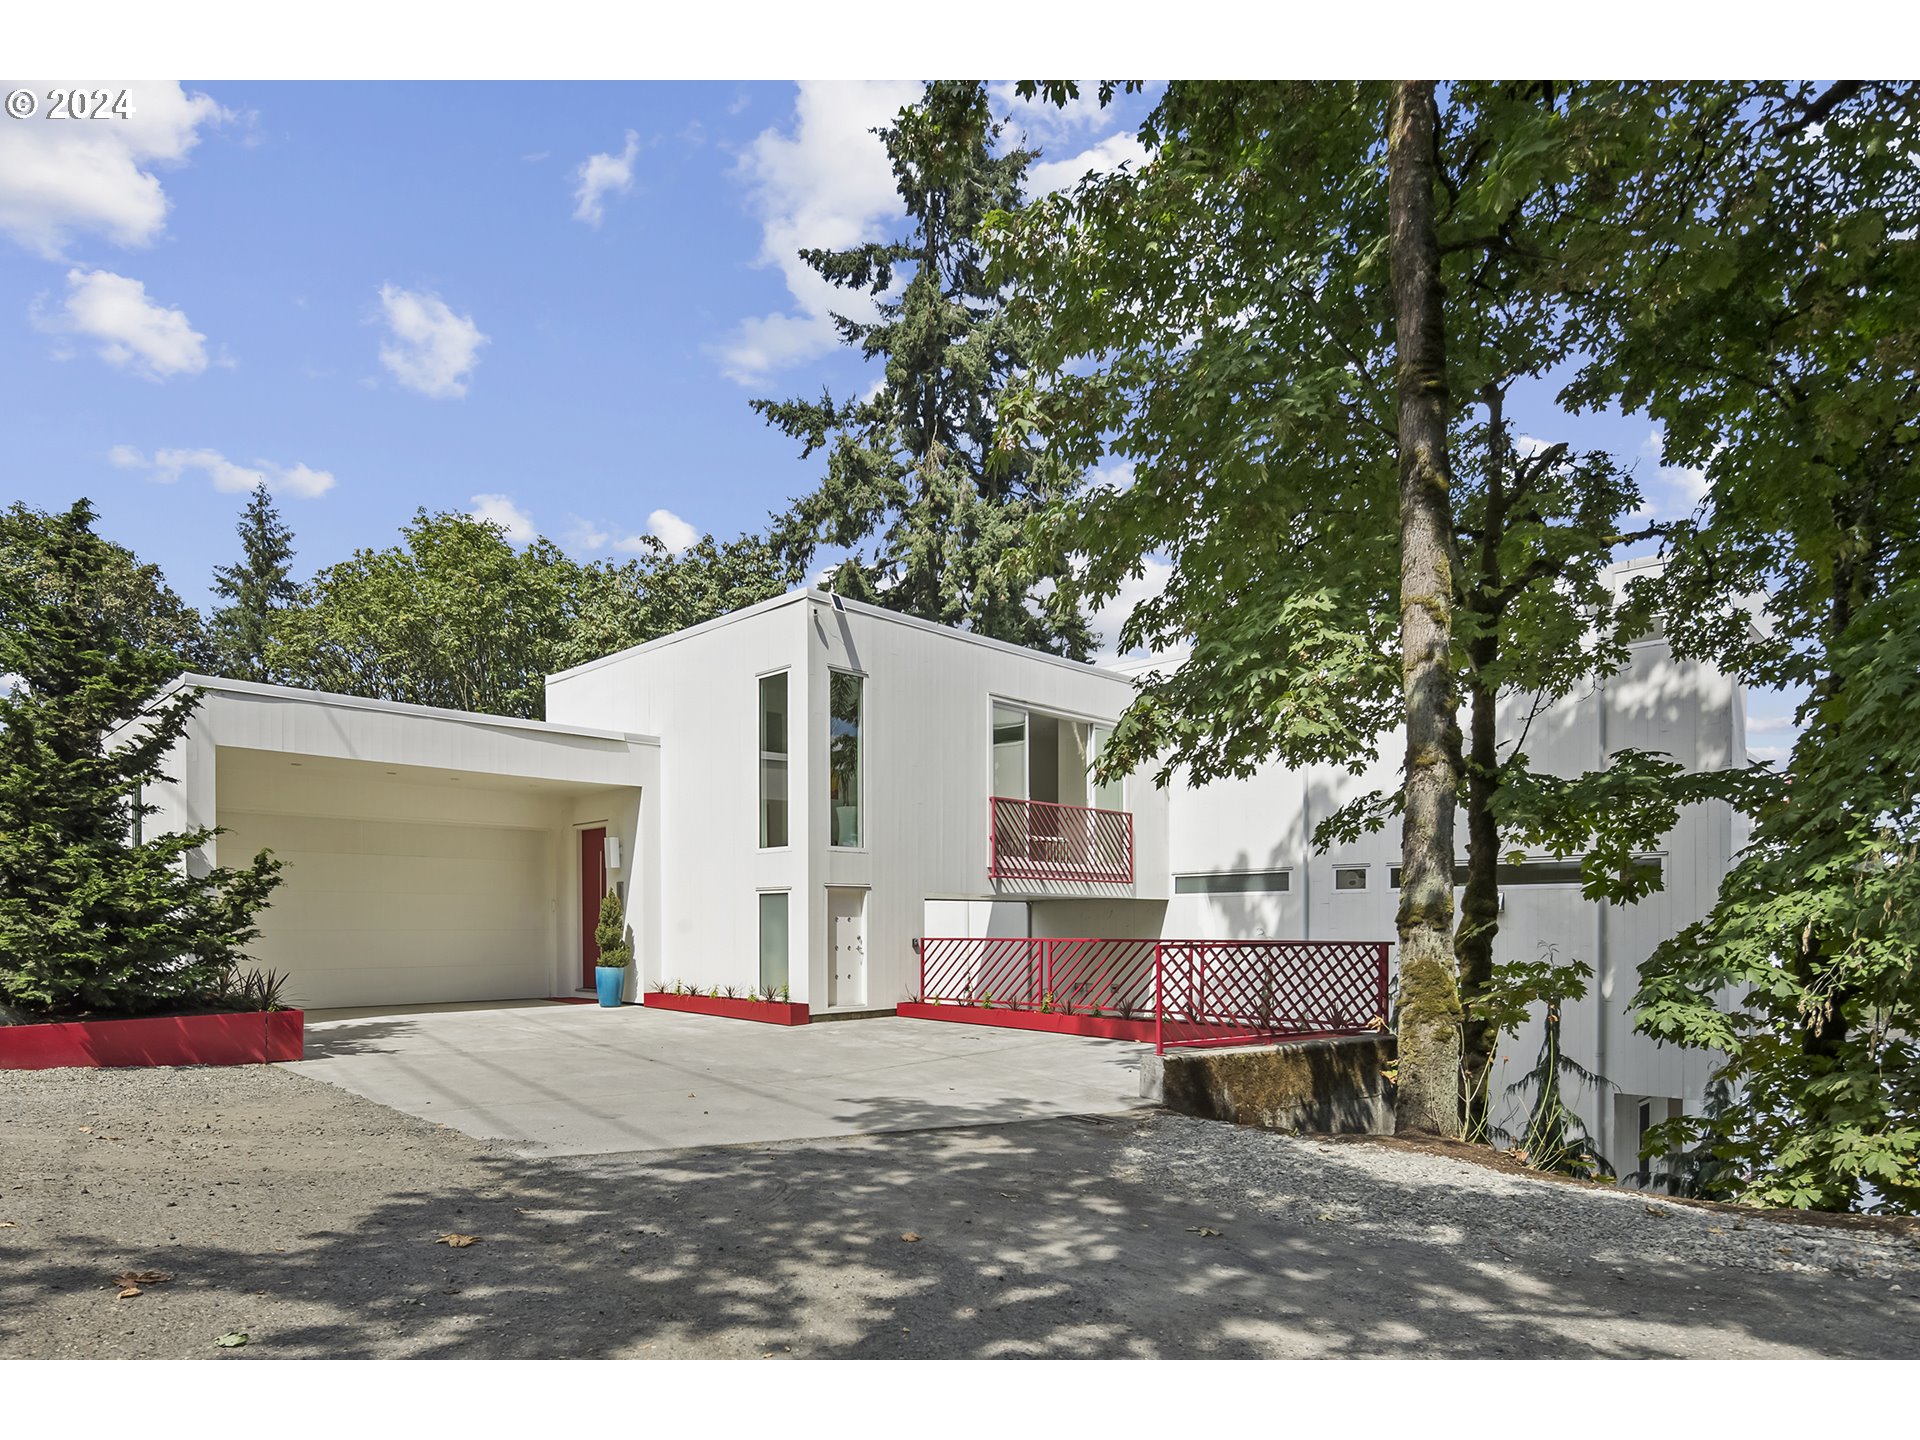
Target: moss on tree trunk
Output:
[{"x": 1428, "y": 1098}]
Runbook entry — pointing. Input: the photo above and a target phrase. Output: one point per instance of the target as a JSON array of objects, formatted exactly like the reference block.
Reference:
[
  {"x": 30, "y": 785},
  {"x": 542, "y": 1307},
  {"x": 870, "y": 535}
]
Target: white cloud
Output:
[
  {"x": 583, "y": 537},
  {"x": 60, "y": 178},
  {"x": 1107, "y": 620},
  {"x": 663, "y": 527},
  {"x": 671, "y": 531},
  {"x": 1677, "y": 489},
  {"x": 826, "y": 184},
  {"x": 1771, "y": 737},
  {"x": 1047, "y": 176},
  {"x": 167, "y": 466},
  {"x": 501, "y": 510},
  {"x": 1043, "y": 122},
  {"x": 301, "y": 480},
  {"x": 134, "y": 332},
  {"x": 1688, "y": 481},
  {"x": 431, "y": 350},
  {"x": 600, "y": 175}
]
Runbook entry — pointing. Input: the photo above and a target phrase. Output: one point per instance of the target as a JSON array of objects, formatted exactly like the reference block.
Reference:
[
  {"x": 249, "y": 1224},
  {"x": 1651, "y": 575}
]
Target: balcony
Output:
[{"x": 1037, "y": 840}]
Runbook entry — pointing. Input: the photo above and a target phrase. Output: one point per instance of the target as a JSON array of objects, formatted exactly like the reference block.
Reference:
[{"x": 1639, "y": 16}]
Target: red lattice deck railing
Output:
[
  {"x": 1038, "y": 840},
  {"x": 1190, "y": 992}
]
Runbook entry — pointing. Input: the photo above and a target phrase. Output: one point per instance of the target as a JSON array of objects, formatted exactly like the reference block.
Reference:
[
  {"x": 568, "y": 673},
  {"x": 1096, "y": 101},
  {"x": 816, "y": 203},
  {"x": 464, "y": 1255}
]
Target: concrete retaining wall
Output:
[{"x": 1311, "y": 1087}]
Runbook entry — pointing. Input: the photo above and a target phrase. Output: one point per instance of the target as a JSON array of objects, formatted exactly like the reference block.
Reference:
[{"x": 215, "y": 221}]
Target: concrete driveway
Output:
[{"x": 578, "y": 1080}]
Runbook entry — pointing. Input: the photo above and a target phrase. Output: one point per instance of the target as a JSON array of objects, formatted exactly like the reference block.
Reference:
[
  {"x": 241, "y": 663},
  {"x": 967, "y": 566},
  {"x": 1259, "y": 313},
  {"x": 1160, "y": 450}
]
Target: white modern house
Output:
[{"x": 795, "y": 794}]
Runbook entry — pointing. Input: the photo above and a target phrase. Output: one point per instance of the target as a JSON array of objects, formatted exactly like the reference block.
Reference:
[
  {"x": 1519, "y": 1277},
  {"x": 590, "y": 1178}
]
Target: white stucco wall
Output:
[
  {"x": 926, "y": 757},
  {"x": 1690, "y": 711}
]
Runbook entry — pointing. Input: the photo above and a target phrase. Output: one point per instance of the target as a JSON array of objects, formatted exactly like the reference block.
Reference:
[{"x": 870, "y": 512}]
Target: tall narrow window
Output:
[
  {"x": 1107, "y": 794},
  {"x": 1009, "y": 752},
  {"x": 773, "y": 942},
  {"x": 843, "y": 760},
  {"x": 773, "y": 761},
  {"x": 1074, "y": 782}
]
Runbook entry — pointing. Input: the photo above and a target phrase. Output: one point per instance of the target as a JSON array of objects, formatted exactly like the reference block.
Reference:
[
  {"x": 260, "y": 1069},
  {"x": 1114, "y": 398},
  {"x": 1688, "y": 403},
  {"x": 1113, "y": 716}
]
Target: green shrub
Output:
[
  {"x": 95, "y": 917},
  {"x": 611, "y": 934}
]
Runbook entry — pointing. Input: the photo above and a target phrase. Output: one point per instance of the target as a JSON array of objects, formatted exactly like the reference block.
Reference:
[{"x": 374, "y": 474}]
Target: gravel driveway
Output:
[{"x": 306, "y": 1218}]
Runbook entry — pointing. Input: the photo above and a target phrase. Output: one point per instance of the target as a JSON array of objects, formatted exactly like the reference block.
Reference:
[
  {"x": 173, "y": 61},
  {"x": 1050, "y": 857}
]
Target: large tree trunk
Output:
[{"x": 1429, "y": 1028}]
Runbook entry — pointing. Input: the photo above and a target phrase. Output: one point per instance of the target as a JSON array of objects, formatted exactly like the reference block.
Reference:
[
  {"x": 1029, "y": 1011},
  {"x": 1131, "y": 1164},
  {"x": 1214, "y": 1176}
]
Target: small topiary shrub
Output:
[{"x": 611, "y": 934}]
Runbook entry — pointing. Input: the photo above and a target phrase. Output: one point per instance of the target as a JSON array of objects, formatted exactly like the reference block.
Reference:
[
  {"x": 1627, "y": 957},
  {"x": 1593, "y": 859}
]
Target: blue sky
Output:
[
  {"x": 550, "y": 302},
  {"x": 547, "y": 303}
]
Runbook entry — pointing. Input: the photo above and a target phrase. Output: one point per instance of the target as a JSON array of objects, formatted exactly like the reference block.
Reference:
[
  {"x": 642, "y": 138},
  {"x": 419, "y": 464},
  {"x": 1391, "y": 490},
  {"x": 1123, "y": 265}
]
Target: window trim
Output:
[
  {"x": 759, "y": 938},
  {"x": 860, "y": 761},
  {"x": 762, "y": 756},
  {"x": 1363, "y": 871}
]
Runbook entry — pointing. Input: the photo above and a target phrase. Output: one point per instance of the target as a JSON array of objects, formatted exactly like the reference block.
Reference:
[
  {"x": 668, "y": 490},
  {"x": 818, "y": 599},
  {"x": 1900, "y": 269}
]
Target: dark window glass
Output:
[{"x": 1245, "y": 882}]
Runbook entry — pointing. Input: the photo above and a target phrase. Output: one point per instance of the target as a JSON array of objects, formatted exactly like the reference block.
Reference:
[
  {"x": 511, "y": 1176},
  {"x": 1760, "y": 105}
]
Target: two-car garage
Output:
[
  {"x": 377, "y": 912},
  {"x": 429, "y": 855}
]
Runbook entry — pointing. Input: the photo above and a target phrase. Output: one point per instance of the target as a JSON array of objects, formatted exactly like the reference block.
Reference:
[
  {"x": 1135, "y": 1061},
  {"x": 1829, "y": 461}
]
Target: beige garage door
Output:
[{"x": 381, "y": 912}]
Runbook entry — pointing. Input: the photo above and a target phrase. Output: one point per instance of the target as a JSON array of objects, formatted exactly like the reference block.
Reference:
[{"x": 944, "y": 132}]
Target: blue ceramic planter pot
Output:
[{"x": 611, "y": 980}]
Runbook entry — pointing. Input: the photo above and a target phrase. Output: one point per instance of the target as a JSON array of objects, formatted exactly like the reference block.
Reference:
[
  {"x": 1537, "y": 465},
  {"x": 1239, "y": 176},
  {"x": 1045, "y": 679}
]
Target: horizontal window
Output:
[
  {"x": 1239, "y": 882},
  {"x": 1349, "y": 878},
  {"x": 1536, "y": 872}
]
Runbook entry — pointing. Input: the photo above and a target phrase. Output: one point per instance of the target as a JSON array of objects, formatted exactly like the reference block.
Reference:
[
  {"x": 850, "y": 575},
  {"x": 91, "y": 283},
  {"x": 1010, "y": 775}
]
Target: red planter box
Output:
[
  {"x": 286, "y": 1034},
  {"x": 1103, "y": 1027},
  {"x": 254, "y": 1038},
  {"x": 767, "y": 1012}
]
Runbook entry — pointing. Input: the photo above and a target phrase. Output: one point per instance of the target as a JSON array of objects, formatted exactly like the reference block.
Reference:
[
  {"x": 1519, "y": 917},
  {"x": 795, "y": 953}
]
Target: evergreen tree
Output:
[
  {"x": 914, "y": 488},
  {"x": 134, "y": 598},
  {"x": 93, "y": 917},
  {"x": 256, "y": 591}
]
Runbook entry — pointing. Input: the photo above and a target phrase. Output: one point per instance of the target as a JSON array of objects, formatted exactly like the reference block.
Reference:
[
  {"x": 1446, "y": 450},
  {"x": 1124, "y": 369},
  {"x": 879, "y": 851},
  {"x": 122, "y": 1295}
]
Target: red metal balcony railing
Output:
[
  {"x": 1189, "y": 992},
  {"x": 1038, "y": 840}
]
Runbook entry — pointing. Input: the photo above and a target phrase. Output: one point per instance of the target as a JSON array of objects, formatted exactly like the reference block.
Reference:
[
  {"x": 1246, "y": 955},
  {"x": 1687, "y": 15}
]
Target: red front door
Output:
[{"x": 593, "y": 884}]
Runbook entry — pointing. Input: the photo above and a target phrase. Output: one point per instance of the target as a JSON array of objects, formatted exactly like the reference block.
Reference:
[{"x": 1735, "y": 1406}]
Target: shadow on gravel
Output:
[{"x": 1034, "y": 1239}]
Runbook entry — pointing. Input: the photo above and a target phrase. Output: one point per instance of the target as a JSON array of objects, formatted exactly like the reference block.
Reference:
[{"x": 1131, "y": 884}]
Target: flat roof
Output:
[
  {"x": 257, "y": 690},
  {"x": 828, "y": 599}
]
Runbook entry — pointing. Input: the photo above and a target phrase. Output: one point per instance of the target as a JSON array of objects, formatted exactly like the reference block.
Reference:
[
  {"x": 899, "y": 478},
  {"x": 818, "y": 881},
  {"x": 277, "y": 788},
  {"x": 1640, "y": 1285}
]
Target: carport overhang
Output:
[{"x": 430, "y": 854}]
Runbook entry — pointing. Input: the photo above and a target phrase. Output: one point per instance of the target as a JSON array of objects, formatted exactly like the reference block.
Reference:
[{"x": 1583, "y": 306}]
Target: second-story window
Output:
[
  {"x": 1050, "y": 758},
  {"x": 1009, "y": 752},
  {"x": 1107, "y": 794},
  {"x": 773, "y": 761},
  {"x": 843, "y": 760}
]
